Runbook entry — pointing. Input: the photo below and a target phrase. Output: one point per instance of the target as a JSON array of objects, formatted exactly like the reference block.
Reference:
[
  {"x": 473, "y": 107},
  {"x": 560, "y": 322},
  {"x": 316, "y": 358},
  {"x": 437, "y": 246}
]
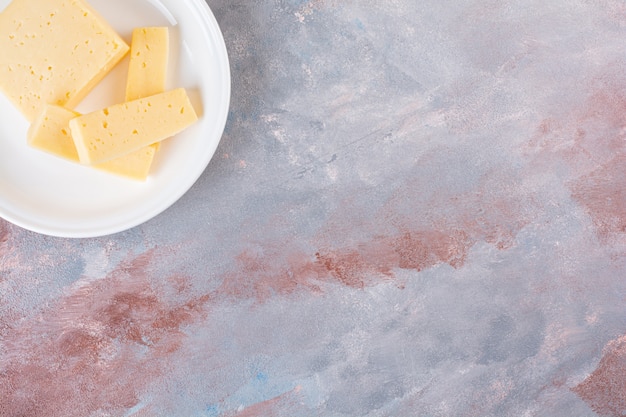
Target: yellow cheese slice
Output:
[
  {"x": 50, "y": 132},
  {"x": 147, "y": 71},
  {"x": 54, "y": 51},
  {"x": 147, "y": 67},
  {"x": 120, "y": 129},
  {"x": 135, "y": 165}
]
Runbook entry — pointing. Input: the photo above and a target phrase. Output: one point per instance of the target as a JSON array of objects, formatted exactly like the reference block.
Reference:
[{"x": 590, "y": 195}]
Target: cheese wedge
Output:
[
  {"x": 50, "y": 132},
  {"x": 54, "y": 51},
  {"x": 120, "y": 129},
  {"x": 147, "y": 71}
]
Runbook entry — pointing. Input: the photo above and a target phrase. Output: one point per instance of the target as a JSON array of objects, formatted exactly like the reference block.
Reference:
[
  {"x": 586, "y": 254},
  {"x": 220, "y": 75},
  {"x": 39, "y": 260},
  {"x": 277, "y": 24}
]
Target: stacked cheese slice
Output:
[{"x": 46, "y": 83}]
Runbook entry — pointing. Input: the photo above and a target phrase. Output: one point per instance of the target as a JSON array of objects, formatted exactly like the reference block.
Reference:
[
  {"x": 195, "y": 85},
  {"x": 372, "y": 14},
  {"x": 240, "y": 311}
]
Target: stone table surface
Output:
[{"x": 417, "y": 208}]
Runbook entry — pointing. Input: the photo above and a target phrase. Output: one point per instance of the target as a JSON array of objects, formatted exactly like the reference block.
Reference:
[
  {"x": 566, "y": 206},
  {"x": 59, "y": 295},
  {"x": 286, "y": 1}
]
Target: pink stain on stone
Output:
[
  {"x": 97, "y": 349},
  {"x": 415, "y": 250},
  {"x": 283, "y": 404},
  {"x": 605, "y": 389},
  {"x": 601, "y": 190},
  {"x": 118, "y": 332},
  {"x": 589, "y": 142},
  {"x": 282, "y": 271},
  {"x": 602, "y": 193}
]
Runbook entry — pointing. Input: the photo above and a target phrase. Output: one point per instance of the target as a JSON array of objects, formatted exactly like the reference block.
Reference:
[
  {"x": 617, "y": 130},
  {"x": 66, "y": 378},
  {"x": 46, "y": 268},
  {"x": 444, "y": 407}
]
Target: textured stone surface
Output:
[{"x": 417, "y": 208}]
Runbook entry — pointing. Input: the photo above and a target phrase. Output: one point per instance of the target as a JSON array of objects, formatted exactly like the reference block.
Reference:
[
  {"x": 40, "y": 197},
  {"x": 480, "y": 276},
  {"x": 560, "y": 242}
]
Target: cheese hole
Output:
[
  {"x": 49, "y": 68},
  {"x": 106, "y": 112},
  {"x": 143, "y": 64},
  {"x": 105, "y": 125},
  {"x": 64, "y": 132},
  {"x": 138, "y": 53},
  {"x": 135, "y": 132},
  {"x": 85, "y": 14},
  {"x": 182, "y": 110},
  {"x": 147, "y": 47}
]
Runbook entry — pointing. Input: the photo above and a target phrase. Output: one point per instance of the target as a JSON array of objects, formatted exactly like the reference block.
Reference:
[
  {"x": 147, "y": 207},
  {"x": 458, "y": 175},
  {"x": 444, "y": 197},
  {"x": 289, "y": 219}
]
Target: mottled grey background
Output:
[{"x": 416, "y": 209}]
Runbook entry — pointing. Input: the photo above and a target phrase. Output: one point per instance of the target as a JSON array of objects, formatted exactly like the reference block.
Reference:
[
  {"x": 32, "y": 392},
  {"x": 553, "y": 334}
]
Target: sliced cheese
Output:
[
  {"x": 54, "y": 51},
  {"x": 135, "y": 165},
  {"x": 120, "y": 129},
  {"x": 147, "y": 71},
  {"x": 50, "y": 132},
  {"x": 147, "y": 67}
]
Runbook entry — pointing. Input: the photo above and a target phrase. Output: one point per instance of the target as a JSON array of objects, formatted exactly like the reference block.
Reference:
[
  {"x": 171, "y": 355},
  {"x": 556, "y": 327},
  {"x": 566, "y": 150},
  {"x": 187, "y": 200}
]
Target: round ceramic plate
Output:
[{"x": 50, "y": 195}]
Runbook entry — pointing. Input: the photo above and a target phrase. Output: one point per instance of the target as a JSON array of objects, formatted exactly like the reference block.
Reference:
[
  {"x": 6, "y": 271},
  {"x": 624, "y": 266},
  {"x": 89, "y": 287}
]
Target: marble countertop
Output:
[{"x": 418, "y": 208}]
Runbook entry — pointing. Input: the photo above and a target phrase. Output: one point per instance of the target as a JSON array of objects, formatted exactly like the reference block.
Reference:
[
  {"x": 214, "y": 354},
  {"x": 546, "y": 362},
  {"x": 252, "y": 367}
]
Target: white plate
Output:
[{"x": 49, "y": 195}]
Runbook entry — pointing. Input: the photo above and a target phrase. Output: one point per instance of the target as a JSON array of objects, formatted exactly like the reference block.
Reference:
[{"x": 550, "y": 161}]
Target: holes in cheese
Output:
[
  {"x": 131, "y": 126},
  {"x": 45, "y": 69},
  {"x": 146, "y": 76},
  {"x": 45, "y": 46},
  {"x": 50, "y": 132},
  {"x": 147, "y": 67}
]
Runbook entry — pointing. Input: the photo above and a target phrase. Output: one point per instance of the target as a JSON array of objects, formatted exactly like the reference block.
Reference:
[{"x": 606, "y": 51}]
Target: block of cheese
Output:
[
  {"x": 50, "y": 132},
  {"x": 122, "y": 128},
  {"x": 54, "y": 51}
]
